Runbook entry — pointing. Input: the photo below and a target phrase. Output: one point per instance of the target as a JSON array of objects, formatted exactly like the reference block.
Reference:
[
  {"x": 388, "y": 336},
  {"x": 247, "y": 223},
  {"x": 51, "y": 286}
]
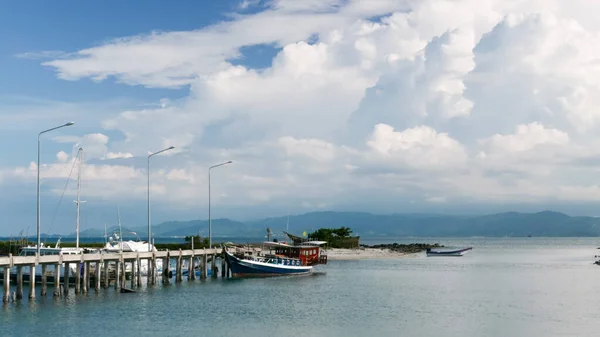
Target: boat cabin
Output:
[
  {"x": 309, "y": 253},
  {"x": 31, "y": 251}
]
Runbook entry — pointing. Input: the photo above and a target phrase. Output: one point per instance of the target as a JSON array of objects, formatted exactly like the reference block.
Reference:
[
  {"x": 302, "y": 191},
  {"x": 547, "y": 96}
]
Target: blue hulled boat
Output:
[{"x": 286, "y": 260}]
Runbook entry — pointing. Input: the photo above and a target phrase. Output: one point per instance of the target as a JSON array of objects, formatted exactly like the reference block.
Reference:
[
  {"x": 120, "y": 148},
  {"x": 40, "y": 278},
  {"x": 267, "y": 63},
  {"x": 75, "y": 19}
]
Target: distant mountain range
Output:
[{"x": 514, "y": 224}]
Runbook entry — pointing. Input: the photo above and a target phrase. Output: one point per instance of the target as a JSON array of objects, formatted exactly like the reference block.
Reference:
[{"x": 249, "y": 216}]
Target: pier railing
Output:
[
  {"x": 12, "y": 261},
  {"x": 107, "y": 267}
]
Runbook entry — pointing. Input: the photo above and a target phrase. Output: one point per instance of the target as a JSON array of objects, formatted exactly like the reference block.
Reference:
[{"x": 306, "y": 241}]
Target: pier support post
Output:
[
  {"x": 191, "y": 269},
  {"x": 133, "y": 274},
  {"x": 44, "y": 281},
  {"x": 179, "y": 271},
  {"x": 86, "y": 277},
  {"x": 166, "y": 268},
  {"x": 204, "y": 266},
  {"x": 213, "y": 265},
  {"x": 78, "y": 278},
  {"x": 117, "y": 274},
  {"x": 19, "y": 282},
  {"x": 57, "y": 280},
  {"x": 6, "y": 294},
  {"x": 124, "y": 274},
  {"x": 98, "y": 276},
  {"x": 149, "y": 272},
  {"x": 154, "y": 270},
  {"x": 66, "y": 277},
  {"x": 223, "y": 267},
  {"x": 139, "y": 272},
  {"x": 105, "y": 275},
  {"x": 31, "y": 281}
]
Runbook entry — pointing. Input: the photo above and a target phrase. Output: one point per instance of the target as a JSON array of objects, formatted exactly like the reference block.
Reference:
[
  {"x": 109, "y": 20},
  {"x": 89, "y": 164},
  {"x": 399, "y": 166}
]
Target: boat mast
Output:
[{"x": 105, "y": 236}]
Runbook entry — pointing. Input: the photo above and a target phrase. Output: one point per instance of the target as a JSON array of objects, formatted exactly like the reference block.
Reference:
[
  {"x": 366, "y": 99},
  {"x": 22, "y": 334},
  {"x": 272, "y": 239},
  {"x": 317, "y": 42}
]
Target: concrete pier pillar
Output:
[
  {"x": 133, "y": 274},
  {"x": 167, "y": 268},
  {"x": 78, "y": 278},
  {"x": 139, "y": 272},
  {"x": 149, "y": 272},
  {"x": 117, "y": 274},
  {"x": 223, "y": 267},
  {"x": 154, "y": 269},
  {"x": 32, "y": 281},
  {"x": 179, "y": 269},
  {"x": 66, "y": 277},
  {"x": 213, "y": 265},
  {"x": 44, "y": 281},
  {"x": 105, "y": 275},
  {"x": 19, "y": 282},
  {"x": 86, "y": 277},
  {"x": 204, "y": 266},
  {"x": 191, "y": 269},
  {"x": 98, "y": 276},
  {"x": 57, "y": 280},
  {"x": 6, "y": 294},
  {"x": 124, "y": 274}
]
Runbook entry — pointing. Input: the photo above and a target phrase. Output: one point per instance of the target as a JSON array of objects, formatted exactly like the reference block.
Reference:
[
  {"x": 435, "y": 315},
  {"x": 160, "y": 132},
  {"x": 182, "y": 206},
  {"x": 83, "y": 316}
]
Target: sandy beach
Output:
[{"x": 363, "y": 254}]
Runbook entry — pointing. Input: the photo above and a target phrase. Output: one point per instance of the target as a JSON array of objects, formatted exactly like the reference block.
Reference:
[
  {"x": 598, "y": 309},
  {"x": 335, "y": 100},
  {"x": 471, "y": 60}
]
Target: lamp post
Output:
[
  {"x": 149, "y": 232},
  {"x": 209, "y": 219},
  {"x": 39, "y": 241}
]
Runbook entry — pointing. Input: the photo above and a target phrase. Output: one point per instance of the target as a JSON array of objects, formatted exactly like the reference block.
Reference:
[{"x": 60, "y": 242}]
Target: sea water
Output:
[{"x": 504, "y": 287}]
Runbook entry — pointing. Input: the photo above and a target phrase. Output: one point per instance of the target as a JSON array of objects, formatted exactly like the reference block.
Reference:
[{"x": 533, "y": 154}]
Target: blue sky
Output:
[{"x": 383, "y": 106}]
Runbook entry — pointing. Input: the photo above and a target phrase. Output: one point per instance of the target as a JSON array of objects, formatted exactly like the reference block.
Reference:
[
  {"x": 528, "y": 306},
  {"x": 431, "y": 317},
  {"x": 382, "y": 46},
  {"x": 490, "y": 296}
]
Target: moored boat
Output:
[
  {"x": 284, "y": 260},
  {"x": 458, "y": 252}
]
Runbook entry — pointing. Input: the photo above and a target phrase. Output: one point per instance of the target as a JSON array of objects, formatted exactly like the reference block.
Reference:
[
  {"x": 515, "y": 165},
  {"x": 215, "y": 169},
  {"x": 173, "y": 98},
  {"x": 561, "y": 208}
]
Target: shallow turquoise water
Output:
[{"x": 504, "y": 287}]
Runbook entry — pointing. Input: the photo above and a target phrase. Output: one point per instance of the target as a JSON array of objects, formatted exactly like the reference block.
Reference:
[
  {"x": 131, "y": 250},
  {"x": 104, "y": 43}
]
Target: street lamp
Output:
[
  {"x": 209, "y": 219},
  {"x": 149, "y": 232},
  {"x": 39, "y": 241}
]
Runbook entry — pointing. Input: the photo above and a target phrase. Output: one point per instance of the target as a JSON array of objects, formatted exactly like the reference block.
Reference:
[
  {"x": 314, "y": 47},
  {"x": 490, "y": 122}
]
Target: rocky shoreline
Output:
[
  {"x": 411, "y": 248},
  {"x": 384, "y": 251}
]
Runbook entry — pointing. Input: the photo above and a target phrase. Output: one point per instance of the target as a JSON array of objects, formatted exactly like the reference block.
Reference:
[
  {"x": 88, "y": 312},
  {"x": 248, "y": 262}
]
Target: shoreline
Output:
[{"x": 350, "y": 254}]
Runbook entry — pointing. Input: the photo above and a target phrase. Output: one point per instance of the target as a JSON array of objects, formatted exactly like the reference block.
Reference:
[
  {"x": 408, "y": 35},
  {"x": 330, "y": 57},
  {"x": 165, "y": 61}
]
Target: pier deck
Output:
[{"x": 106, "y": 267}]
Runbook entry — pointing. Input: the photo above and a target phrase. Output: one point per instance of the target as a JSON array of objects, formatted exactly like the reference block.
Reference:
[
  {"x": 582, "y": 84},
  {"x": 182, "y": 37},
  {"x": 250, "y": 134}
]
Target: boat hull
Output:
[
  {"x": 459, "y": 252},
  {"x": 247, "y": 268}
]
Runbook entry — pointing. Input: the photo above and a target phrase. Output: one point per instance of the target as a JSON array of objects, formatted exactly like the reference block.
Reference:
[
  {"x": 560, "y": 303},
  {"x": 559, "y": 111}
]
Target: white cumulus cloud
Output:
[{"x": 432, "y": 102}]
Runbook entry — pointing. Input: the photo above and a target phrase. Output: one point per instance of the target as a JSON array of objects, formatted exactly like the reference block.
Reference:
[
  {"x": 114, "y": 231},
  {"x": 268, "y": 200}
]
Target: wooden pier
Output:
[{"x": 107, "y": 267}]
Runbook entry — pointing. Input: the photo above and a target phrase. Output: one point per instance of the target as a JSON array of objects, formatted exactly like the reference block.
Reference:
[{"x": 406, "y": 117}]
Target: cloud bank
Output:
[{"x": 366, "y": 103}]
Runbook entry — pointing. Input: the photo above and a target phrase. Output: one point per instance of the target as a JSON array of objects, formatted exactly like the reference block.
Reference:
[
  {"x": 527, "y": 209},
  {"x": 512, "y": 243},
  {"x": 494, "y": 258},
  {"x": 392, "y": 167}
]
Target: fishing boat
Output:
[
  {"x": 458, "y": 252},
  {"x": 281, "y": 259}
]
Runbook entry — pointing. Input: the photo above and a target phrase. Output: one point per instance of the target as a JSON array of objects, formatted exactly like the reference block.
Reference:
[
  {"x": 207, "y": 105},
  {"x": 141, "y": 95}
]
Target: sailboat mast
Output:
[{"x": 79, "y": 194}]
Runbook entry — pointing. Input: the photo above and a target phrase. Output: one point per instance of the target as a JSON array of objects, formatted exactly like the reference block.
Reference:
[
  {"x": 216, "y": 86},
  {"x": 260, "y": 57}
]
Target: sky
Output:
[{"x": 383, "y": 106}]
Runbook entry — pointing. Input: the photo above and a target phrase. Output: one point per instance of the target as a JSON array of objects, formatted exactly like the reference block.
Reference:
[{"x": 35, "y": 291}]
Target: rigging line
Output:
[{"x": 63, "y": 193}]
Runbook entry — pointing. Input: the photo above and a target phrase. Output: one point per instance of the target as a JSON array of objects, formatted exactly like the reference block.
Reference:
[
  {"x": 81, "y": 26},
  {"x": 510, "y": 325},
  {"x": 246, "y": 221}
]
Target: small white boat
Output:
[
  {"x": 117, "y": 245},
  {"x": 458, "y": 252}
]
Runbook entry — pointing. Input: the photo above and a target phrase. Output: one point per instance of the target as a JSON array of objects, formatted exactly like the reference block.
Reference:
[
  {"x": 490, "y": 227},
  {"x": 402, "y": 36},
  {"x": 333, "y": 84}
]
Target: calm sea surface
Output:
[{"x": 504, "y": 287}]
